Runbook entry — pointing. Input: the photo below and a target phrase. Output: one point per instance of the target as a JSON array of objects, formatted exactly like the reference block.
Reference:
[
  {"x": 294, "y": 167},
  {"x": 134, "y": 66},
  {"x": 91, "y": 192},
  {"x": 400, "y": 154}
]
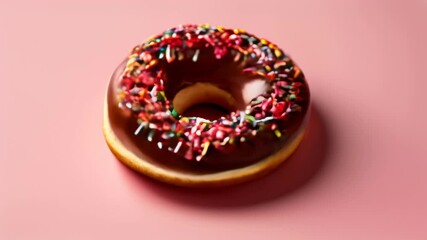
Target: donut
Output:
[{"x": 252, "y": 104}]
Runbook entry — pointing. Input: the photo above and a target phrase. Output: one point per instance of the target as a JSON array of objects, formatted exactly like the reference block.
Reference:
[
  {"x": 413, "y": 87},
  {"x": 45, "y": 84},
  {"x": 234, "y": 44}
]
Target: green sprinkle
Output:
[
  {"x": 168, "y": 135},
  {"x": 250, "y": 118},
  {"x": 292, "y": 97},
  {"x": 161, "y": 96},
  {"x": 168, "y": 32},
  {"x": 278, "y": 133},
  {"x": 175, "y": 114}
]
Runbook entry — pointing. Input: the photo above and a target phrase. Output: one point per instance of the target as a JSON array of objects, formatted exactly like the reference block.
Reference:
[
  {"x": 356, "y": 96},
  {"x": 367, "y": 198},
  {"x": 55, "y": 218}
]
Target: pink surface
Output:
[{"x": 360, "y": 173}]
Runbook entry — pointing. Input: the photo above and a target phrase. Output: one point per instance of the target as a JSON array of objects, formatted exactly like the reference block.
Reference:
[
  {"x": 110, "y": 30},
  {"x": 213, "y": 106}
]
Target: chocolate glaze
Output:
[{"x": 226, "y": 75}]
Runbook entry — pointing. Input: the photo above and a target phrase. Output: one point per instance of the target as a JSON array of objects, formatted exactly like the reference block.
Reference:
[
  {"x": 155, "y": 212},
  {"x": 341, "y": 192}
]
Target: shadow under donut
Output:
[{"x": 292, "y": 175}]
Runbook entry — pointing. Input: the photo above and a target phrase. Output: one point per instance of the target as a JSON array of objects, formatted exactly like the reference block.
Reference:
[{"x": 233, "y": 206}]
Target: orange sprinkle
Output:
[{"x": 297, "y": 71}]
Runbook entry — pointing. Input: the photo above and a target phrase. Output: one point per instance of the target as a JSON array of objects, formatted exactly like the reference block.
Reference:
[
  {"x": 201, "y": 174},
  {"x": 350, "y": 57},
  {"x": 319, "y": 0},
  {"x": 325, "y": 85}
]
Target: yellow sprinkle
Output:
[
  {"x": 268, "y": 68},
  {"x": 263, "y": 41},
  {"x": 142, "y": 92},
  {"x": 180, "y": 55},
  {"x": 260, "y": 73},
  {"x": 278, "y": 133},
  {"x": 220, "y": 28},
  {"x": 205, "y": 148},
  {"x": 236, "y": 31},
  {"x": 242, "y": 30},
  {"x": 132, "y": 64},
  {"x": 277, "y": 52}
]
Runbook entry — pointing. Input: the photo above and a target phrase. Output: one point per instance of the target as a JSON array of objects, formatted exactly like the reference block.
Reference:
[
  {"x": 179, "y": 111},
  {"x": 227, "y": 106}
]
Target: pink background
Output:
[{"x": 360, "y": 173}]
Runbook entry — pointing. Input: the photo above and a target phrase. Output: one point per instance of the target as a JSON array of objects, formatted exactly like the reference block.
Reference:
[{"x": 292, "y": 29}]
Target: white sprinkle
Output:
[
  {"x": 178, "y": 146},
  {"x": 204, "y": 120},
  {"x": 196, "y": 55},
  {"x": 199, "y": 120},
  {"x": 242, "y": 116},
  {"x": 150, "y": 136},
  {"x": 153, "y": 91},
  {"x": 160, "y": 145},
  {"x": 226, "y": 122},
  {"x": 226, "y": 139},
  {"x": 141, "y": 126},
  {"x": 135, "y": 90},
  {"x": 265, "y": 119},
  {"x": 168, "y": 53},
  {"x": 194, "y": 129}
]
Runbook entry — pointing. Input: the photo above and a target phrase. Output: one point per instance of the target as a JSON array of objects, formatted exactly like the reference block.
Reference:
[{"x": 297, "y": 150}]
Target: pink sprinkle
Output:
[{"x": 220, "y": 135}]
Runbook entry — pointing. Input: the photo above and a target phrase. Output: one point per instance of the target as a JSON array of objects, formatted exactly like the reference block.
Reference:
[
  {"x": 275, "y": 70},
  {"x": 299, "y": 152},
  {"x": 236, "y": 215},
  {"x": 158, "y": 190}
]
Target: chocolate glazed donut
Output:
[{"x": 263, "y": 94}]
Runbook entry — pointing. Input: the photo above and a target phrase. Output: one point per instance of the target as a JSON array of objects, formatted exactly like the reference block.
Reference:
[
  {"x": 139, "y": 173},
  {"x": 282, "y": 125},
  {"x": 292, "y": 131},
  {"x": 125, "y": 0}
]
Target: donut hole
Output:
[
  {"x": 207, "y": 111},
  {"x": 204, "y": 100},
  {"x": 210, "y": 87}
]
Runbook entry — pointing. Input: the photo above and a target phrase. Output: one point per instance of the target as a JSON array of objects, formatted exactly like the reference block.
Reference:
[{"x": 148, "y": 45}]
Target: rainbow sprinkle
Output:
[{"x": 142, "y": 90}]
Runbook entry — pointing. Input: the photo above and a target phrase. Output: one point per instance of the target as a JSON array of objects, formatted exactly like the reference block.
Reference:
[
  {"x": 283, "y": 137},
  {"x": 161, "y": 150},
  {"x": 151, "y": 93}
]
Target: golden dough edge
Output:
[{"x": 222, "y": 178}]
